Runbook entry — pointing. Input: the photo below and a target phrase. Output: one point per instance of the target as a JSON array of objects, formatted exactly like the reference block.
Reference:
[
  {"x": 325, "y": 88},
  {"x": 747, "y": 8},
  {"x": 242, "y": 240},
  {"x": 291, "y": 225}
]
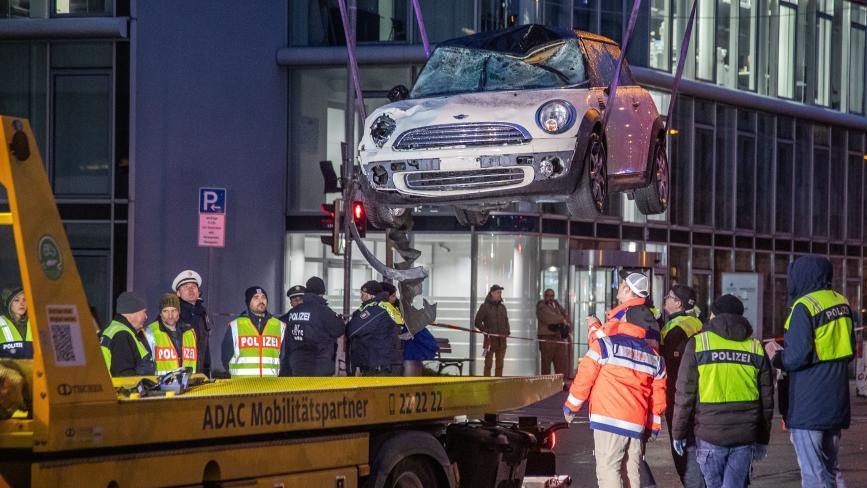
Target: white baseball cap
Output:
[
  {"x": 637, "y": 282},
  {"x": 186, "y": 276}
]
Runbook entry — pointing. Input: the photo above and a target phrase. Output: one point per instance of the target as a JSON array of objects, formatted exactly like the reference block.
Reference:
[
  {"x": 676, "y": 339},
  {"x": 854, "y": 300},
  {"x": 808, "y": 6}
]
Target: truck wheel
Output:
[
  {"x": 590, "y": 198},
  {"x": 412, "y": 472},
  {"x": 468, "y": 218},
  {"x": 653, "y": 198}
]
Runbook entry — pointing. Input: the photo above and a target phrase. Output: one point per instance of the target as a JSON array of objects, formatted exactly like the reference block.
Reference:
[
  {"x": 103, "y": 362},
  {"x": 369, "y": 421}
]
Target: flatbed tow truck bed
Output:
[{"x": 85, "y": 428}]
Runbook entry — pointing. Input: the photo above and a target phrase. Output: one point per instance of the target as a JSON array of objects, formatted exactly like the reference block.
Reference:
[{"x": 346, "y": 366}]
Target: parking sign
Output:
[{"x": 212, "y": 217}]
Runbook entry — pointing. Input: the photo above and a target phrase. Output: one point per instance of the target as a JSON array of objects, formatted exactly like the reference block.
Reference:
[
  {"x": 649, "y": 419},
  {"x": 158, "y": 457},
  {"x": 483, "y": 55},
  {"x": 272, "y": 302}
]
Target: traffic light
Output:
[
  {"x": 360, "y": 218},
  {"x": 333, "y": 212}
]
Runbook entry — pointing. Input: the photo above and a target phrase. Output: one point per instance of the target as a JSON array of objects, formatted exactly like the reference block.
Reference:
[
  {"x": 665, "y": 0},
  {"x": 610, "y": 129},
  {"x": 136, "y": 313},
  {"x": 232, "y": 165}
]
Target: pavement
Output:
[{"x": 574, "y": 450}]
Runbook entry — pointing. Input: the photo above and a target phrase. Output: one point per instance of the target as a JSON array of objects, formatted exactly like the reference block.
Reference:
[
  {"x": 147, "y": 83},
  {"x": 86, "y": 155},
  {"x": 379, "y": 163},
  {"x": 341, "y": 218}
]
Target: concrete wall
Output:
[{"x": 209, "y": 108}]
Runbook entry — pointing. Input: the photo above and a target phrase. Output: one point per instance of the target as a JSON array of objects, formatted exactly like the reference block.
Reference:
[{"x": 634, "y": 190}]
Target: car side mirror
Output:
[{"x": 398, "y": 93}]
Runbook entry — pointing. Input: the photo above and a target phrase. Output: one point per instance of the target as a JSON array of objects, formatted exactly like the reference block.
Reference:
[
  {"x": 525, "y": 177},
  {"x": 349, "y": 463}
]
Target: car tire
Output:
[
  {"x": 385, "y": 218},
  {"x": 412, "y": 472},
  {"x": 469, "y": 218},
  {"x": 590, "y": 198},
  {"x": 653, "y": 198}
]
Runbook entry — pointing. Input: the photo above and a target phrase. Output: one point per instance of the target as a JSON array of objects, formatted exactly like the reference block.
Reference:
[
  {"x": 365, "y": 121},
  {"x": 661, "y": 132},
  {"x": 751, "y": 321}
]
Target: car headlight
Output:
[
  {"x": 556, "y": 116},
  {"x": 381, "y": 129}
]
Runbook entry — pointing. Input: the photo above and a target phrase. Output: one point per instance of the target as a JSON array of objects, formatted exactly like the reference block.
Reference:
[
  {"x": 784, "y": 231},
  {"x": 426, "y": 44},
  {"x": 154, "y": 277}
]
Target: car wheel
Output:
[
  {"x": 469, "y": 218},
  {"x": 385, "y": 218},
  {"x": 653, "y": 198},
  {"x": 590, "y": 198}
]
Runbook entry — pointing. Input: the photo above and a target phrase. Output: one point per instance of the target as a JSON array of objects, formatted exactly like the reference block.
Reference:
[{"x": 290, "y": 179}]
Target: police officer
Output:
[
  {"x": 312, "y": 330},
  {"x": 673, "y": 338},
  {"x": 251, "y": 346},
  {"x": 725, "y": 384},
  {"x": 819, "y": 343},
  {"x": 296, "y": 296},
  {"x": 374, "y": 345},
  {"x": 16, "y": 340},
  {"x": 188, "y": 285},
  {"x": 124, "y": 346},
  {"x": 172, "y": 341}
]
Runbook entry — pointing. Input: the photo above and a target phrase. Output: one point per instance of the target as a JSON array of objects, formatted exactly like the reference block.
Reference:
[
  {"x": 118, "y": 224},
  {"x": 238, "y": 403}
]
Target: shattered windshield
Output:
[{"x": 453, "y": 70}]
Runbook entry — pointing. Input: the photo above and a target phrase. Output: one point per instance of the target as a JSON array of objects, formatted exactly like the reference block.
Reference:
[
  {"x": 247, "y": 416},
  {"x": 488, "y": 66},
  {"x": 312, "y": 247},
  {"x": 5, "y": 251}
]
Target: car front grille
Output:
[
  {"x": 464, "y": 180},
  {"x": 455, "y": 135}
]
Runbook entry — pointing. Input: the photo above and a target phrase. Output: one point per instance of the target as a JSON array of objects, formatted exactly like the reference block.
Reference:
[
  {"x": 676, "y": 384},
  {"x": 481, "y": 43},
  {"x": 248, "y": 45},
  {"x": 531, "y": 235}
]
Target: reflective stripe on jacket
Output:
[
  {"x": 728, "y": 370},
  {"x": 12, "y": 345},
  {"x": 832, "y": 324},
  {"x": 256, "y": 354},
  {"x": 623, "y": 379},
  {"x": 165, "y": 355}
]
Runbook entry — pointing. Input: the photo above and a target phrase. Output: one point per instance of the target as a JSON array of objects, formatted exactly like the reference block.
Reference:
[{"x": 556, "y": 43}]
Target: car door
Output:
[{"x": 627, "y": 145}]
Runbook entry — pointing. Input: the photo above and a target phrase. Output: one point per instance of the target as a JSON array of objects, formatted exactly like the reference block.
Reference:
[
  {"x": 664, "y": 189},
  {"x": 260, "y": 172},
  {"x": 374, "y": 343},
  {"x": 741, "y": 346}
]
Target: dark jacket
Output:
[
  {"x": 373, "y": 338},
  {"x": 493, "y": 319},
  {"x": 672, "y": 352},
  {"x": 197, "y": 317},
  {"x": 125, "y": 358},
  {"x": 818, "y": 393},
  {"x": 723, "y": 424},
  {"x": 552, "y": 318},
  {"x": 310, "y": 341}
]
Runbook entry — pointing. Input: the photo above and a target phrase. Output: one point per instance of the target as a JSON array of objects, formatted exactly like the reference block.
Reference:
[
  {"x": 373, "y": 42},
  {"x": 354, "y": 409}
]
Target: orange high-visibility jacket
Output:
[{"x": 624, "y": 381}]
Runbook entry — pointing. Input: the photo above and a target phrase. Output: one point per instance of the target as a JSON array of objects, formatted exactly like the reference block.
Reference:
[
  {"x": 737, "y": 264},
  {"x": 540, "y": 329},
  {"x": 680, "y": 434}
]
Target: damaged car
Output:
[{"x": 515, "y": 115}]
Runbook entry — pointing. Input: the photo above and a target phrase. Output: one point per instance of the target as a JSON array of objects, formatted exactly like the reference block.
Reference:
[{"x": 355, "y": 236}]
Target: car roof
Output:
[{"x": 520, "y": 40}]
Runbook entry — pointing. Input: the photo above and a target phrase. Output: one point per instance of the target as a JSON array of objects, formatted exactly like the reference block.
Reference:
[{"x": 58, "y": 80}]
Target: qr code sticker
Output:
[{"x": 65, "y": 335}]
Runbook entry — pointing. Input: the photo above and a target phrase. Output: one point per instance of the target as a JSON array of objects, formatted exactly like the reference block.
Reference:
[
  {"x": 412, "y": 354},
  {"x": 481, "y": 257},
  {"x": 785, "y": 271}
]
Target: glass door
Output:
[{"x": 595, "y": 291}]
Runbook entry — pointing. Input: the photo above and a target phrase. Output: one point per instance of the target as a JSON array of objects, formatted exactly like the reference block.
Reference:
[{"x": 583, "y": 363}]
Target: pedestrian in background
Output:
[
  {"x": 372, "y": 333},
  {"x": 553, "y": 331},
  {"x": 725, "y": 384},
  {"x": 312, "y": 330},
  {"x": 492, "y": 318},
  {"x": 819, "y": 343},
  {"x": 124, "y": 346},
  {"x": 673, "y": 339},
  {"x": 188, "y": 286},
  {"x": 252, "y": 344},
  {"x": 623, "y": 381}
]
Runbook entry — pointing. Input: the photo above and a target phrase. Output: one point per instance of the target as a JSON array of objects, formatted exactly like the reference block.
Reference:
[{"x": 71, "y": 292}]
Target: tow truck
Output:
[{"x": 84, "y": 428}]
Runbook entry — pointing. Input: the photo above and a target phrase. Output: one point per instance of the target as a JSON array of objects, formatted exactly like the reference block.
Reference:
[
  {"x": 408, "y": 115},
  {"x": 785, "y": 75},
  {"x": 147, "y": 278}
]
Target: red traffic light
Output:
[{"x": 358, "y": 211}]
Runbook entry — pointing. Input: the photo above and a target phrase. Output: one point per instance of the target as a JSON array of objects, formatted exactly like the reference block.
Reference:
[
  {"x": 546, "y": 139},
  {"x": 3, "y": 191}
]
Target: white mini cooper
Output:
[{"x": 515, "y": 115}]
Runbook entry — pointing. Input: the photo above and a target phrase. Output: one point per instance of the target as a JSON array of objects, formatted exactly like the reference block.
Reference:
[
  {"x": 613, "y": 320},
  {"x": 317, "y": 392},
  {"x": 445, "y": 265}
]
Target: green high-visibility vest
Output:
[
  {"x": 12, "y": 345},
  {"x": 165, "y": 355},
  {"x": 114, "y": 328},
  {"x": 832, "y": 324},
  {"x": 690, "y": 325},
  {"x": 256, "y": 354},
  {"x": 728, "y": 371}
]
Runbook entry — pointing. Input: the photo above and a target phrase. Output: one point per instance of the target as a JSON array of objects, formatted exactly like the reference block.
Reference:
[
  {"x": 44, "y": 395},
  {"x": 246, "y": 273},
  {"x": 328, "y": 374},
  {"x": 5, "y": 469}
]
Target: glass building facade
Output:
[{"x": 766, "y": 148}]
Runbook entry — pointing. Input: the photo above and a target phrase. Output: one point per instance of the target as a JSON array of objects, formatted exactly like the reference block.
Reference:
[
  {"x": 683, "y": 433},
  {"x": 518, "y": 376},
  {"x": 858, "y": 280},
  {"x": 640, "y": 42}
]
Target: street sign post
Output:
[{"x": 212, "y": 217}]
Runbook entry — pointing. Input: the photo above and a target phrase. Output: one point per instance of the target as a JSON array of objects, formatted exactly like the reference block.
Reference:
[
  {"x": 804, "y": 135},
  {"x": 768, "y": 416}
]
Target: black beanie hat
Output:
[
  {"x": 315, "y": 285},
  {"x": 372, "y": 287},
  {"x": 253, "y": 290},
  {"x": 128, "y": 302},
  {"x": 388, "y": 288},
  {"x": 727, "y": 304}
]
